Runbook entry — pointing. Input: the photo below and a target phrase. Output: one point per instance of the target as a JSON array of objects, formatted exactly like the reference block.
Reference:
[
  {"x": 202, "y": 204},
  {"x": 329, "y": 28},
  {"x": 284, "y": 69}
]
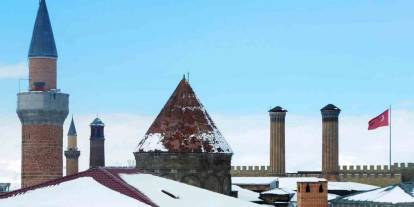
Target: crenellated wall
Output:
[{"x": 379, "y": 175}]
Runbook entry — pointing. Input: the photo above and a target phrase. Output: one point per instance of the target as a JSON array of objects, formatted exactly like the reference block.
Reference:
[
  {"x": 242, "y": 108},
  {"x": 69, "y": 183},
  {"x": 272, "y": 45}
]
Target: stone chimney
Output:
[{"x": 312, "y": 194}]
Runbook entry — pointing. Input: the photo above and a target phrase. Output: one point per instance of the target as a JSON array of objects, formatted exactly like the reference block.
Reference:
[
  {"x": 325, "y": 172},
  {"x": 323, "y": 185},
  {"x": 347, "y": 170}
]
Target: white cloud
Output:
[
  {"x": 248, "y": 135},
  {"x": 13, "y": 71}
]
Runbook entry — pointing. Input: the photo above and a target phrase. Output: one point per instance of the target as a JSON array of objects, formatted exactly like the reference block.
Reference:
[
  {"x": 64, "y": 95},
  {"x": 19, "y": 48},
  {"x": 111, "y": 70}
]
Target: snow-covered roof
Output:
[
  {"x": 183, "y": 125},
  {"x": 246, "y": 195},
  {"x": 350, "y": 186},
  {"x": 392, "y": 194},
  {"x": 279, "y": 191},
  {"x": 290, "y": 183},
  {"x": 330, "y": 197},
  {"x": 253, "y": 180},
  {"x": 83, "y": 190},
  {"x": 126, "y": 187}
]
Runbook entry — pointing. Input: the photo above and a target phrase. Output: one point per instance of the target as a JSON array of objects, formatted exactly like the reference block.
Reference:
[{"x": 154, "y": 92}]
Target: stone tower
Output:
[
  {"x": 43, "y": 109},
  {"x": 312, "y": 194},
  {"x": 330, "y": 151},
  {"x": 277, "y": 140},
  {"x": 97, "y": 150},
  {"x": 184, "y": 144},
  {"x": 72, "y": 153}
]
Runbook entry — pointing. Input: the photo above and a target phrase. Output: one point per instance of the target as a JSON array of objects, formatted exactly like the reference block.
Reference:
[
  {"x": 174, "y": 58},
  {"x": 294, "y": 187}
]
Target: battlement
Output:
[
  {"x": 344, "y": 169},
  {"x": 376, "y": 169},
  {"x": 251, "y": 171},
  {"x": 378, "y": 175}
]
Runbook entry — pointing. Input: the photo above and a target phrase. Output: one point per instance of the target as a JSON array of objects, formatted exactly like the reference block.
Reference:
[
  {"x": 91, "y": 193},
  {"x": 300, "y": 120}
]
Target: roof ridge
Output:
[
  {"x": 140, "y": 196},
  {"x": 53, "y": 182}
]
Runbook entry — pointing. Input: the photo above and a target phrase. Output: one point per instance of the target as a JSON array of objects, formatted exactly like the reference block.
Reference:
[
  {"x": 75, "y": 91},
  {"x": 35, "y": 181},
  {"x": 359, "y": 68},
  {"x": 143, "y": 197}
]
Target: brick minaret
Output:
[
  {"x": 97, "y": 151},
  {"x": 330, "y": 165},
  {"x": 43, "y": 109},
  {"x": 72, "y": 153},
  {"x": 312, "y": 194},
  {"x": 277, "y": 140}
]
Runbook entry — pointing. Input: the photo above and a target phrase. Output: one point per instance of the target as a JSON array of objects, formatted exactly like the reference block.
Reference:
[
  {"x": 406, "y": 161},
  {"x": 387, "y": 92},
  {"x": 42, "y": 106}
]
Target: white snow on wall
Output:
[
  {"x": 79, "y": 192},
  {"x": 187, "y": 195}
]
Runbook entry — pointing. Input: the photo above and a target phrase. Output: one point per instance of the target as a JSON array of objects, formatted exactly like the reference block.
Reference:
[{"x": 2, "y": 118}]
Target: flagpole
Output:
[{"x": 390, "y": 139}]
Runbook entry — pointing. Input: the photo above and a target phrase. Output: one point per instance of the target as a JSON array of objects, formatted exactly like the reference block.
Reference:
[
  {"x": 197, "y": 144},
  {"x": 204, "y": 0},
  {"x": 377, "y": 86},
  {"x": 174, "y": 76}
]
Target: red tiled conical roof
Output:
[{"x": 183, "y": 125}]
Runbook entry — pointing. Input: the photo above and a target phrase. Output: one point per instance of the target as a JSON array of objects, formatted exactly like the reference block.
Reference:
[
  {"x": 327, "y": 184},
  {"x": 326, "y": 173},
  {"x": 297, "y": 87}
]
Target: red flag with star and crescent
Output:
[{"x": 379, "y": 121}]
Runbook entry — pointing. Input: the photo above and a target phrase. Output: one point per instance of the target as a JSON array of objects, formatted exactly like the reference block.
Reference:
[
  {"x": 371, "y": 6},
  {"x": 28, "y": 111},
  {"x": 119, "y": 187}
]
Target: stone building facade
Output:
[
  {"x": 43, "y": 110},
  {"x": 184, "y": 144}
]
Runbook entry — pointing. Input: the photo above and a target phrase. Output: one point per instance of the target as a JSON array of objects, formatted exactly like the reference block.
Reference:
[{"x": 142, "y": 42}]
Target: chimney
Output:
[{"x": 312, "y": 194}]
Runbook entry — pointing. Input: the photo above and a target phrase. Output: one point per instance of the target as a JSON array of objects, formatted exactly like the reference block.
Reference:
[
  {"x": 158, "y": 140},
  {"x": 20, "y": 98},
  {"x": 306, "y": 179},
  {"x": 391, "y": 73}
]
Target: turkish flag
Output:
[{"x": 379, "y": 121}]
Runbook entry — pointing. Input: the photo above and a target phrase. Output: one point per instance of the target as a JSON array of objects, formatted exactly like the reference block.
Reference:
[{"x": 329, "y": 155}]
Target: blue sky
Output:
[{"x": 243, "y": 56}]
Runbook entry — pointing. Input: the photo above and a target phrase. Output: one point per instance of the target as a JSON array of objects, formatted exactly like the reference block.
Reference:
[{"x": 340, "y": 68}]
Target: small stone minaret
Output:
[
  {"x": 72, "y": 153},
  {"x": 277, "y": 140},
  {"x": 97, "y": 151},
  {"x": 330, "y": 151},
  {"x": 43, "y": 109}
]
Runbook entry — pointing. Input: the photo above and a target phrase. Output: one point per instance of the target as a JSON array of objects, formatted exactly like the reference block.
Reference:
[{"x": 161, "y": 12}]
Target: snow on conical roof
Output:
[{"x": 183, "y": 125}]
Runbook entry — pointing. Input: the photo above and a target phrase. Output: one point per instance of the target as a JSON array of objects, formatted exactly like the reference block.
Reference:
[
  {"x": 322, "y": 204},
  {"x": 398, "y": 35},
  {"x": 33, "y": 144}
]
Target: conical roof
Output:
[
  {"x": 183, "y": 125},
  {"x": 43, "y": 41},
  {"x": 72, "y": 129},
  {"x": 278, "y": 109},
  {"x": 330, "y": 107}
]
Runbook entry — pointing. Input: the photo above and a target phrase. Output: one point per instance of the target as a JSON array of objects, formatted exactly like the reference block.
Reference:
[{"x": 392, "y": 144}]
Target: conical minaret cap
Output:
[
  {"x": 43, "y": 41},
  {"x": 72, "y": 129},
  {"x": 183, "y": 126}
]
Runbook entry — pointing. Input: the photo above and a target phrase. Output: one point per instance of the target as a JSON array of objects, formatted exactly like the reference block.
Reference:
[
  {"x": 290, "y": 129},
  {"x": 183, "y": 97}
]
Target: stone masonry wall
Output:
[
  {"x": 43, "y": 70},
  {"x": 41, "y": 153},
  {"x": 206, "y": 170}
]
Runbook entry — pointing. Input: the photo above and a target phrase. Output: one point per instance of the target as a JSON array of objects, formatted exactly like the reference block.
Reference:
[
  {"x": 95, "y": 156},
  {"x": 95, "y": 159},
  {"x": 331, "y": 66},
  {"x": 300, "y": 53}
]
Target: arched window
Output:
[
  {"x": 307, "y": 188},
  {"x": 298, "y": 188},
  {"x": 320, "y": 189}
]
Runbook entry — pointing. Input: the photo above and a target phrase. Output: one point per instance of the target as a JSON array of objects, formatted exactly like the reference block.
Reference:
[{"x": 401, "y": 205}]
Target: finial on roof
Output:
[
  {"x": 43, "y": 41},
  {"x": 72, "y": 129}
]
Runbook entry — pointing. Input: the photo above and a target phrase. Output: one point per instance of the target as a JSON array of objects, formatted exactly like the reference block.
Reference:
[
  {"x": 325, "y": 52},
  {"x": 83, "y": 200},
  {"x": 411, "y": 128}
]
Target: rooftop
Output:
[
  {"x": 126, "y": 187},
  {"x": 395, "y": 194},
  {"x": 330, "y": 107},
  {"x": 278, "y": 109},
  {"x": 97, "y": 122},
  {"x": 183, "y": 125}
]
